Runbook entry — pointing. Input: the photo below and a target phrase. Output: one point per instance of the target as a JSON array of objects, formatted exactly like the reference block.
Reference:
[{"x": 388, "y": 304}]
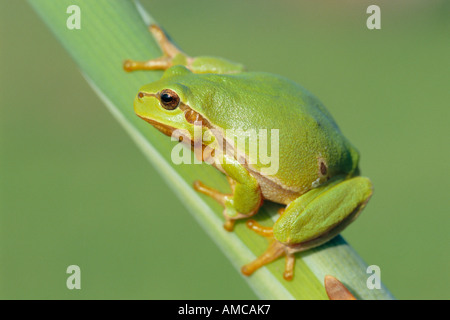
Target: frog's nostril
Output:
[{"x": 143, "y": 94}]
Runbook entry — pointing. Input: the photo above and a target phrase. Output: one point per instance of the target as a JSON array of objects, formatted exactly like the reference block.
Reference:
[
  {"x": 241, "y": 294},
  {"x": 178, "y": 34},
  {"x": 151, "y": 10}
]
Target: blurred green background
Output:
[{"x": 75, "y": 189}]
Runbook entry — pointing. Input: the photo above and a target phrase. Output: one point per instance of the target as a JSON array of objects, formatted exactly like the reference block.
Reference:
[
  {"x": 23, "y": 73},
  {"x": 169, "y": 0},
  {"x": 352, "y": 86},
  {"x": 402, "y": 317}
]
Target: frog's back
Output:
[{"x": 311, "y": 147}]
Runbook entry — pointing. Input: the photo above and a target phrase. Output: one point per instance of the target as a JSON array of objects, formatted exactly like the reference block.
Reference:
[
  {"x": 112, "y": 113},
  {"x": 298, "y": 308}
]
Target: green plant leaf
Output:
[{"x": 112, "y": 31}]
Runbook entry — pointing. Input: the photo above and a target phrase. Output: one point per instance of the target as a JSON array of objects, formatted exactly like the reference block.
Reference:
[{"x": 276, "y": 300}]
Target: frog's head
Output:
[{"x": 165, "y": 104}]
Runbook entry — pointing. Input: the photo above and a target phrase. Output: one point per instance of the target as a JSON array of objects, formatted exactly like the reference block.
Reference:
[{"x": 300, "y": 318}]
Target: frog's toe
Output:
[
  {"x": 259, "y": 229},
  {"x": 275, "y": 250},
  {"x": 162, "y": 63},
  {"x": 213, "y": 193},
  {"x": 229, "y": 224}
]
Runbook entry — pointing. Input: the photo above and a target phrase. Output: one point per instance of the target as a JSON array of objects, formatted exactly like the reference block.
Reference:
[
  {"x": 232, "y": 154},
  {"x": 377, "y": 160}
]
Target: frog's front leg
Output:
[
  {"x": 246, "y": 197},
  {"x": 311, "y": 220},
  {"x": 173, "y": 56}
]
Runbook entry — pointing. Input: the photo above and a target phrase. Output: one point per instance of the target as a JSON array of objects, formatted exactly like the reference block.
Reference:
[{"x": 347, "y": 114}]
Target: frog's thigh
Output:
[
  {"x": 311, "y": 220},
  {"x": 322, "y": 213}
]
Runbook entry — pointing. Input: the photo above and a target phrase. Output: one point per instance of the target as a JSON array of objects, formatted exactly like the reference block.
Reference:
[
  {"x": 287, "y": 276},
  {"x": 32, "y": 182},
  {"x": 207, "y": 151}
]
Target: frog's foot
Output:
[
  {"x": 222, "y": 199},
  {"x": 170, "y": 52},
  {"x": 226, "y": 201},
  {"x": 213, "y": 193},
  {"x": 168, "y": 48},
  {"x": 275, "y": 250}
]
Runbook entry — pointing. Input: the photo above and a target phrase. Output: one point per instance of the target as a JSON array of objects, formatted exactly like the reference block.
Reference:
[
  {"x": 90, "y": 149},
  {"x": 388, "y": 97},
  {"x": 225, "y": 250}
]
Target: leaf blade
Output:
[{"x": 113, "y": 31}]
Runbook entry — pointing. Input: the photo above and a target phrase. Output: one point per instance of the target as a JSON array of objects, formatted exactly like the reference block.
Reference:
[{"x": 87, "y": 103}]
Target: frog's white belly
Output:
[
  {"x": 273, "y": 191},
  {"x": 270, "y": 189}
]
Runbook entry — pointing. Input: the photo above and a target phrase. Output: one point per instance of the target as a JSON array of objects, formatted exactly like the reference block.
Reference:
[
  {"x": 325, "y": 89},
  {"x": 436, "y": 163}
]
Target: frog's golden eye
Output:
[{"x": 169, "y": 99}]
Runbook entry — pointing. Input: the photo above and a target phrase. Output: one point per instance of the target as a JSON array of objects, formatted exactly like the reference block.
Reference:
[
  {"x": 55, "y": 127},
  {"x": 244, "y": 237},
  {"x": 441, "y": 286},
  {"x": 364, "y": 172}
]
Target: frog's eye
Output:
[{"x": 169, "y": 99}]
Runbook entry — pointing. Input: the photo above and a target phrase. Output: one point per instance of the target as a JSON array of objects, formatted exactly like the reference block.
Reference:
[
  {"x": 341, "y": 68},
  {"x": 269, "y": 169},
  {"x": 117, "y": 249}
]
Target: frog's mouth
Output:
[
  {"x": 168, "y": 131},
  {"x": 192, "y": 117},
  {"x": 164, "y": 128}
]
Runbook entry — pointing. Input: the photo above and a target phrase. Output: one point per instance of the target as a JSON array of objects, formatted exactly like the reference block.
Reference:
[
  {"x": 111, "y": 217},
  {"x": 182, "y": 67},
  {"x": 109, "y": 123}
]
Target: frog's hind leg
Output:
[
  {"x": 275, "y": 250},
  {"x": 311, "y": 220},
  {"x": 170, "y": 52}
]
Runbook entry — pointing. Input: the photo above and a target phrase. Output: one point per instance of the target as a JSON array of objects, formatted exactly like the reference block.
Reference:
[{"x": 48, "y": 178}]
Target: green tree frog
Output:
[{"x": 317, "y": 178}]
